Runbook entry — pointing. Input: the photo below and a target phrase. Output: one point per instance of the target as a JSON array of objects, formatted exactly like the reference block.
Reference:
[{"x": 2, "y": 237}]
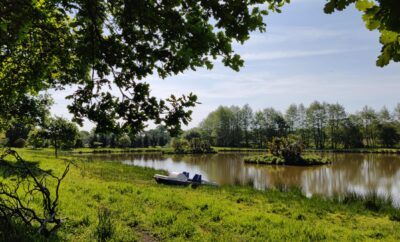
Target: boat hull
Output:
[{"x": 169, "y": 181}]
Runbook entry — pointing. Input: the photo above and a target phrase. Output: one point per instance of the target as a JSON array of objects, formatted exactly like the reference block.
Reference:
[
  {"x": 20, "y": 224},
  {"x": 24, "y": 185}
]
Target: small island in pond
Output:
[
  {"x": 286, "y": 151},
  {"x": 269, "y": 159}
]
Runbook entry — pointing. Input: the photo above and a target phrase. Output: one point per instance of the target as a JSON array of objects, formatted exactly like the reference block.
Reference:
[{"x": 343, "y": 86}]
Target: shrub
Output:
[
  {"x": 289, "y": 148},
  {"x": 198, "y": 145},
  {"x": 19, "y": 143},
  {"x": 79, "y": 143},
  {"x": 105, "y": 228},
  {"x": 179, "y": 145},
  {"x": 36, "y": 138},
  {"x": 124, "y": 141}
]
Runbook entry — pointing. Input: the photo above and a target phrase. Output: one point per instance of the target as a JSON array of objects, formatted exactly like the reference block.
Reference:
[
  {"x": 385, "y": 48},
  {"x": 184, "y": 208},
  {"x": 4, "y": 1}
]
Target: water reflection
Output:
[{"x": 360, "y": 173}]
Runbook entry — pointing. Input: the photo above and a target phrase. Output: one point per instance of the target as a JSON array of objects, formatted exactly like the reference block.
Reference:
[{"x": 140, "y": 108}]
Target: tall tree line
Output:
[{"x": 320, "y": 125}]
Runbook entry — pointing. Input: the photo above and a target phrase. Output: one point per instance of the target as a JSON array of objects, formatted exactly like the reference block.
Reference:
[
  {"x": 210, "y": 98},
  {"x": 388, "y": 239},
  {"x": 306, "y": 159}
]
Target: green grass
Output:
[
  {"x": 138, "y": 208},
  {"x": 268, "y": 159}
]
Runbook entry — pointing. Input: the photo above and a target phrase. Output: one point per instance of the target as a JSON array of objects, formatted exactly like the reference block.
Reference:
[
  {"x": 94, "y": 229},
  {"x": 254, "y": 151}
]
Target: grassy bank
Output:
[{"x": 142, "y": 210}]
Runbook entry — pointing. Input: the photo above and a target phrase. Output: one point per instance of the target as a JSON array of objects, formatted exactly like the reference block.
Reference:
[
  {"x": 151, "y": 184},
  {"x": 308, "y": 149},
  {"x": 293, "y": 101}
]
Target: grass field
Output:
[{"x": 141, "y": 210}]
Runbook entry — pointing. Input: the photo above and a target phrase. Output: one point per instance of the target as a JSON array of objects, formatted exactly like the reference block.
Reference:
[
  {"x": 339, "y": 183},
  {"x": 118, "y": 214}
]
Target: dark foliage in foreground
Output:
[{"x": 26, "y": 184}]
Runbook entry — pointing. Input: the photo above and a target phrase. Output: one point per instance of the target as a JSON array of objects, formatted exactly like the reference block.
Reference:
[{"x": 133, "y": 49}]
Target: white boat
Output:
[{"x": 173, "y": 179}]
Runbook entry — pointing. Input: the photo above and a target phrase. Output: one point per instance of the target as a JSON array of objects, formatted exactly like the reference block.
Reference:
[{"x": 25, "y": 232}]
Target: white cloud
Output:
[
  {"x": 273, "y": 55},
  {"x": 278, "y": 34}
]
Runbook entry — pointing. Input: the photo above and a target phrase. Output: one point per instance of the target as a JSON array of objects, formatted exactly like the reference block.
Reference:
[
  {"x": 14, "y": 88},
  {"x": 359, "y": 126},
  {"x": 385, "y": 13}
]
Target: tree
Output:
[
  {"x": 258, "y": 129},
  {"x": 381, "y": 15},
  {"x": 85, "y": 137},
  {"x": 102, "y": 45},
  {"x": 336, "y": 115},
  {"x": 222, "y": 126},
  {"x": 302, "y": 128},
  {"x": 246, "y": 117},
  {"x": 396, "y": 112},
  {"x": 192, "y": 134},
  {"x": 37, "y": 138},
  {"x": 388, "y": 135},
  {"x": 317, "y": 119},
  {"x": 275, "y": 124},
  {"x": 369, "y": 120},
  {"x": 62, "y": 133},
  {"x": 124, "y": 141},
  {"x": 292, "y": 117},
  {"x": 179, "y": 145},
  {"x": 384, "y": 115},
  {"x": 197, "y": 145},
  {"x": 351, "y": 136},
  {"x": 208, "y": 127},
  {"x": 17, "y": 131}
]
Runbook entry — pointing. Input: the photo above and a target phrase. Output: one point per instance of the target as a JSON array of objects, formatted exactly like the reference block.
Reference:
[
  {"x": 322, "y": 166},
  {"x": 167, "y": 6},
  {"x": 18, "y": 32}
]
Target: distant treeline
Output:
[
  {"x": 320, "y": 125},
  {"x": 67, "y": 136}
]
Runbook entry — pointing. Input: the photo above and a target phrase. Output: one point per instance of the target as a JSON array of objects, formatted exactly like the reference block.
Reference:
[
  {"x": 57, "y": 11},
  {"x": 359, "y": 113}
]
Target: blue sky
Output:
[{"x": 304, "y": 55}]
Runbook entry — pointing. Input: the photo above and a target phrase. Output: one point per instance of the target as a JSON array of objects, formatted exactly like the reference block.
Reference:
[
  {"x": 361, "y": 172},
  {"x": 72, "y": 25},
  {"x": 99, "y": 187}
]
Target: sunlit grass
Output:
[{"x": 138, "y": 206}]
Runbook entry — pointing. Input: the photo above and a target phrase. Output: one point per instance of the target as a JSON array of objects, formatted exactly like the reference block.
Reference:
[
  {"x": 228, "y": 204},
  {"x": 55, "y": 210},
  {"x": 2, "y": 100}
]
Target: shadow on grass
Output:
[
  {"x": 17, "y": 231},
  {"x": 18, "y": 168},
  {"x": 371, "y": 201}
]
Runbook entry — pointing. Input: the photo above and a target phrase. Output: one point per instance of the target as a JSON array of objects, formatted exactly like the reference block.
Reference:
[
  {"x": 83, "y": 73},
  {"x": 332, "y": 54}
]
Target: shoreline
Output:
[{"x": 216, "y": 150}]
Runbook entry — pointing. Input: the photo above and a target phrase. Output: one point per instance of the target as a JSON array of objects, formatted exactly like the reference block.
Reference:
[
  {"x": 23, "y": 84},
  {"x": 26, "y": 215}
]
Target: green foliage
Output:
[
  {"x": 37, "y": 138},
  {"x": 179, "y": 145},
  {"x": 105, "y": 228},
  {"x": 197, "y": 145},
  {"x": 316, "y": 116},
  {"x": 321, "y": 125},
  {"x": 388, "y": 135},
  {"x": 118, "y": 44},
  {"x": 17, "y": 131},
  {"x": 153, "y": 137},
  {"x": 192, "y": 134},
  {"x": 265, "y": 159},
  {"x": 192, "y": 146},
  {"x": 19, "y": 143},
  {"x": 236, "y": 127},
  {"x": 61, "y": 133},
  {"x": 124, "y": 141},
  {"x": 305, "y": 160},
  {"x": 286, "y": 151},
  {"x": 382, "y": 15},
  {"x": 288, "y": 148}
]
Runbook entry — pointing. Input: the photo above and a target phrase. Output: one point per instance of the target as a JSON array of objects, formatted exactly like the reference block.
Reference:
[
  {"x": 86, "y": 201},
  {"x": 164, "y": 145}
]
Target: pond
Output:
[{"x": 358, "y": 173}]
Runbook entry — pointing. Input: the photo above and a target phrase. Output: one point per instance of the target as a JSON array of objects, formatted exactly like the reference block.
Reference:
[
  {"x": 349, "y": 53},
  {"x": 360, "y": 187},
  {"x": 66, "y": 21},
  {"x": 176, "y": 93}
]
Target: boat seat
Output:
[{"x": 197, "y": 178}]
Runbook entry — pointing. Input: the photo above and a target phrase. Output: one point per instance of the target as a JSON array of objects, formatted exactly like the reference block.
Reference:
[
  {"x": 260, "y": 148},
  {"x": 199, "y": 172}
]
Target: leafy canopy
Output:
[
  {"x": 382, "y": 15},
  {"x": 104, "y": 49}
]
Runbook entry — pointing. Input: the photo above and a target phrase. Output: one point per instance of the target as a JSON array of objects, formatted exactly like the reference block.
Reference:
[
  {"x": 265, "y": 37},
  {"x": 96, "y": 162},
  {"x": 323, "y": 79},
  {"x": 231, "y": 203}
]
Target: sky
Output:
[{"x": 304, "y": 55}]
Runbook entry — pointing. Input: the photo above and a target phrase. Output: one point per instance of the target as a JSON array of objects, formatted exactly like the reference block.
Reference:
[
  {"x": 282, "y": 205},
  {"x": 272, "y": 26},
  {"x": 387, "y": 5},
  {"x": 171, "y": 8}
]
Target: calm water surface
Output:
[{"x": 359, "y": 173}]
